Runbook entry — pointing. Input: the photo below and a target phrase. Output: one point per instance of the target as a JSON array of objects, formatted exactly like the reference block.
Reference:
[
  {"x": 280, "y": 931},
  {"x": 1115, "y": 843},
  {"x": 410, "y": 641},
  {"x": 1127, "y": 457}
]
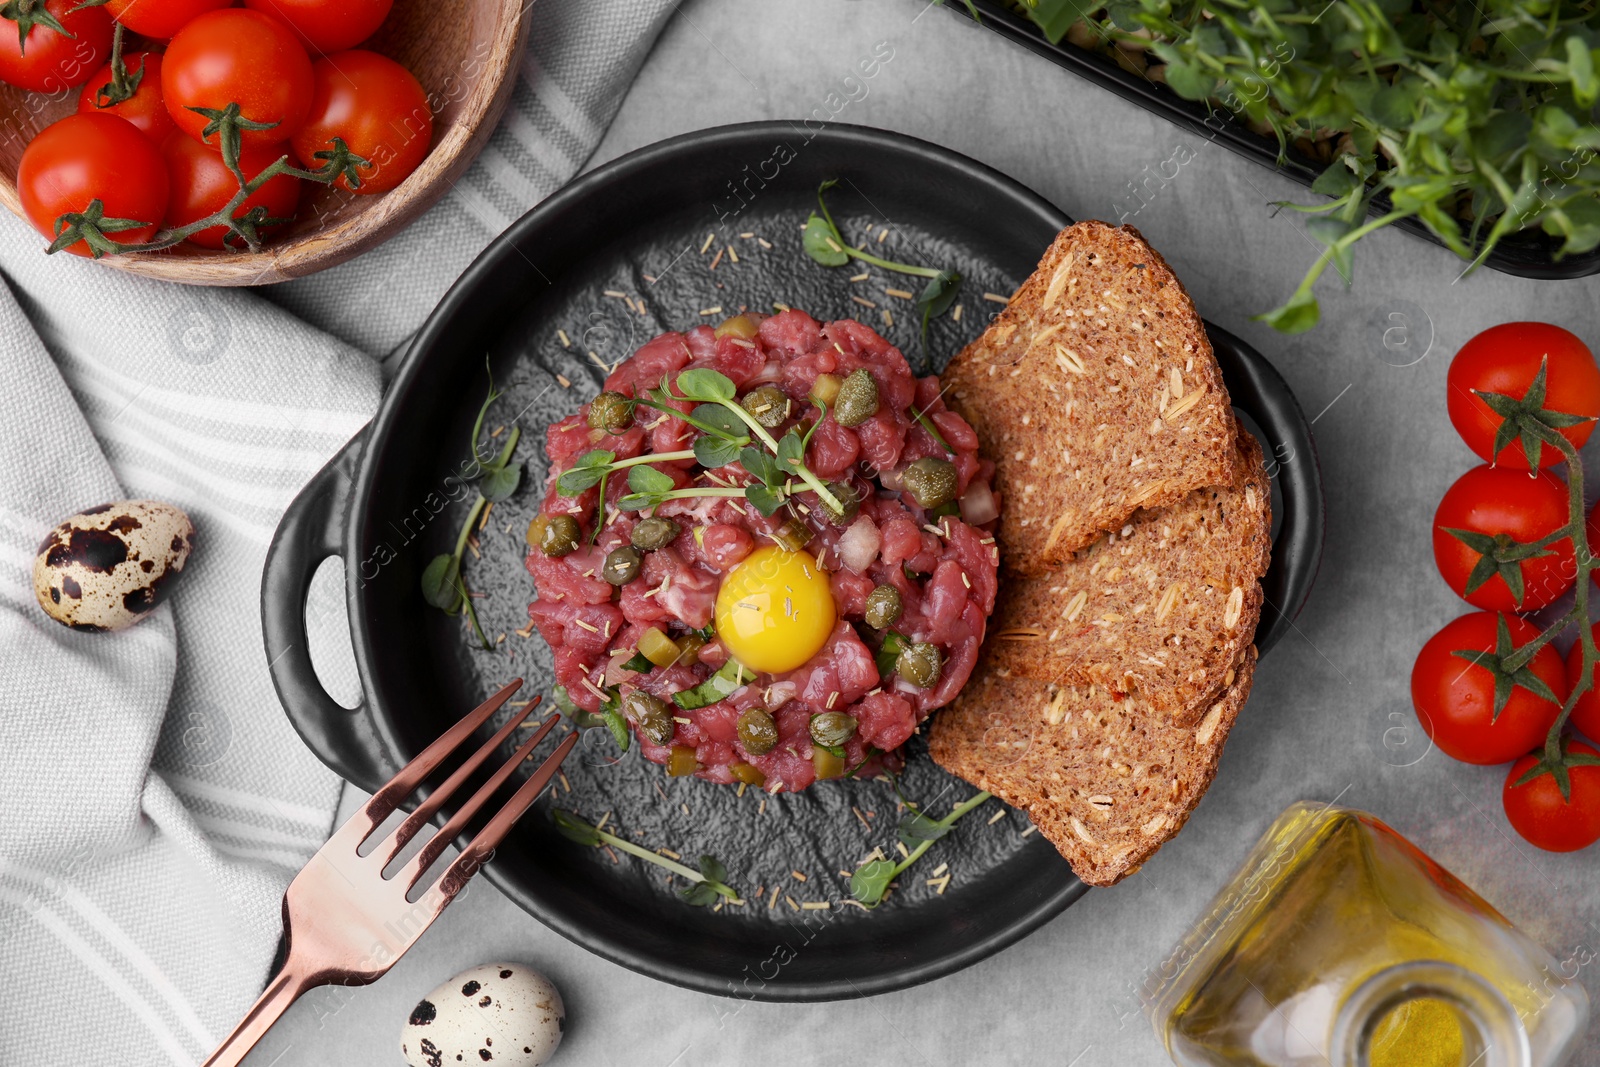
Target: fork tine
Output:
[
  {"x": 425, "y": 857},
  {"x": 428, "y": 808},
  {"x": 477, "y": 854},
  {"x": 402, "y": 785}
]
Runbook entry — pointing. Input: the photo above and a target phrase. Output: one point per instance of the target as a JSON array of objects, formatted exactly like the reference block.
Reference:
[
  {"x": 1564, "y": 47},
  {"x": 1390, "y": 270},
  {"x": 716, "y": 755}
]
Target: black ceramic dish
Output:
[
  {"x": 1529, "y": 254},
  {"x": 384, "y": 506}
]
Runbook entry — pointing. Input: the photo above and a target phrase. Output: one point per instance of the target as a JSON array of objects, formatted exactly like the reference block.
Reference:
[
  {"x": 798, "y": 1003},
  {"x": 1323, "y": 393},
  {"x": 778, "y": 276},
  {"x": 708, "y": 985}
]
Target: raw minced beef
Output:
[{"x": 943, "y": 567}]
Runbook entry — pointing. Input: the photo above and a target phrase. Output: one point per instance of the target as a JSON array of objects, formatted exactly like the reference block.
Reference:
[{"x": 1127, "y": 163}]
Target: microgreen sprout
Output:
[
  {"x": 917, "y": 832},
  {"x": 498, "y": 478},
  {"x": 826, "y": 245},
  {"x": 706, "y": 884}
]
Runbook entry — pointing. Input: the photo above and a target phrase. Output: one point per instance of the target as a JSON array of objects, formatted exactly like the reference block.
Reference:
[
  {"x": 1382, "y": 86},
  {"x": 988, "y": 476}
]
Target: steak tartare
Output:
[{"x": 765, "y": 551}]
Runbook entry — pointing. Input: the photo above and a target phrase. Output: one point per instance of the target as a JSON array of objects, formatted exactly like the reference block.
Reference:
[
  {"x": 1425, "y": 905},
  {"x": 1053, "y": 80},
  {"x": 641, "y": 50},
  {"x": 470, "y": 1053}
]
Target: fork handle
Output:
[{"x": 284, "y": 989}]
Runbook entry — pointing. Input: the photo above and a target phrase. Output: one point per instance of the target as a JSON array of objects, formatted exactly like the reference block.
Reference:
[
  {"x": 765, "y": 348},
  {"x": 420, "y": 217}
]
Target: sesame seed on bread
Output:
[
  {"x": 1104, "y": 781},
  {"x": 1159, "y": 610},
  {"x": 1096, "y": 393}
]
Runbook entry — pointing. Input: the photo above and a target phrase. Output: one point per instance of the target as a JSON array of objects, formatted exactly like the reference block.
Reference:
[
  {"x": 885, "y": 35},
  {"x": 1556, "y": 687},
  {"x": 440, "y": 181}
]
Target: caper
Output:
[
  {"x": 758, "y": 733},
  {"x": 622, "y": 565},
  {"x": 918, "y": 663},
  {"x": 857, "y": 400},
  {"x": 554, "y": 535},
  {"x": 651, "y": 714},
  {"x": 883, "y": 607},
  {"x": 741, "y": 326},
  {"x": 654, "y": 532},
  {"x": 931, "y": 482},
  {"x": 768, "y": 405},
  {"x": 611, "y": 412},
  {"x": 832, "y": 728},
  {"x": 846, "y": 494}
]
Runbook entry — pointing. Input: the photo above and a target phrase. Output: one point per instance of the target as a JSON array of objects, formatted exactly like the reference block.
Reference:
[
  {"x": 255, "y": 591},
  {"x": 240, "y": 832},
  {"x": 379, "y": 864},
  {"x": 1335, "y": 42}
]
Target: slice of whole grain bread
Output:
[
  {"x": 1158, "y": 610},
  {"x": 1096, "y": 393},
  {"x": 1105, "y": 782}
]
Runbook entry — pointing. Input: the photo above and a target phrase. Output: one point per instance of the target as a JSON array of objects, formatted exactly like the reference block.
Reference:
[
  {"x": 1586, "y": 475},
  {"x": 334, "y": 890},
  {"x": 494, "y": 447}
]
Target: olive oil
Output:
[{"x": 1341, "y": 943}]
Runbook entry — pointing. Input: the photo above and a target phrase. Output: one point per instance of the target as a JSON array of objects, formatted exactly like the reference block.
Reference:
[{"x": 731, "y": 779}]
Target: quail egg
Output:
[
  {"x": 501, "y": 1013},
  {"x": 106, "y": 568}
]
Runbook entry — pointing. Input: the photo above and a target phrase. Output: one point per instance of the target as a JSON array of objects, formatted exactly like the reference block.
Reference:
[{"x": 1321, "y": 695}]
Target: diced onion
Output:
[
  {"x": 780, "y": 693},
  {"x": 859, "y": 545},
  {"x": 977, "y": 504},
  {"x": 770, "y": 373}
]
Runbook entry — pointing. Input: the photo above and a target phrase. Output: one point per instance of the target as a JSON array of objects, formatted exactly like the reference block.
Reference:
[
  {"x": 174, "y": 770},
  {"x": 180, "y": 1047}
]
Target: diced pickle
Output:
[
  {"x": 740, "y": 326},
  {"x": 682, "y": 762},
  {"x": 658, "y": 648},
  {"x": 792, "y": 536},
  {"x": 826, "y": 388},
  {"x": 747, "y": 773},
  {"x": 689, "y": 647},
  {"x": 846, "y": 494},
  {"x": 827, "y": 765}
]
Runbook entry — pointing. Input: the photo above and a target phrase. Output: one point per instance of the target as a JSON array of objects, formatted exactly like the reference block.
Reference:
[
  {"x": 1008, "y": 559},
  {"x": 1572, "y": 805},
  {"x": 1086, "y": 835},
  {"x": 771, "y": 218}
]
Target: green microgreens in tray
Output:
[
  {"x": 1526, "y": 419},
  {"x": 706, "y": 884},
  {"x": 443, "y": 585},
  {"x": 1475, "y": 119},
  {"x": 917, "y": 832},
  {"x": 826, "y": 245}
]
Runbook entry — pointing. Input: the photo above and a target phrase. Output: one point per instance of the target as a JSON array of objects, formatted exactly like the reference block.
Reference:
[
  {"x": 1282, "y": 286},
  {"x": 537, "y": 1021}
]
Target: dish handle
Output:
[{"x": 311, "y": 531}]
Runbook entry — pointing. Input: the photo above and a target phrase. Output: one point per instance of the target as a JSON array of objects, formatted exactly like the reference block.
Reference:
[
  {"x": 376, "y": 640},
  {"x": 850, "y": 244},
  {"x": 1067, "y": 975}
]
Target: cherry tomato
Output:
[
  {"x": 1542, "y": 816},
  {"x": 49, "y": 61},
  {"x": 379, "y": 109},
  {"x": 1505, "y": 359},
  {"x": 201, "y": 184},
  {"x": 238, "y": 56},
  {"x": 87, "y": 157},
  {"x": 1586, "y": 711},
  {"x": 1495, "y": 501},
  {"x": 160, "y": 18},
  {"x": 144, "y": 108},
  {"x": 328, "y": 25},
  {"x": 1454, "y": 698}
]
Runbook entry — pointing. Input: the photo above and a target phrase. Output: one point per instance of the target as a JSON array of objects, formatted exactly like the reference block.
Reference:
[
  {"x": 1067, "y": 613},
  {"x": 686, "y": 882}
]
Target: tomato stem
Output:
[{"x": 1584, "y": 557}]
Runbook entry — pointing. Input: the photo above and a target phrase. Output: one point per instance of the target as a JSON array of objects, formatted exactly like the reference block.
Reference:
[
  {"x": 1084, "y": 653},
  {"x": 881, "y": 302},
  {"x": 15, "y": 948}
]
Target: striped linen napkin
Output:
[{"x": 157, "y": 801}]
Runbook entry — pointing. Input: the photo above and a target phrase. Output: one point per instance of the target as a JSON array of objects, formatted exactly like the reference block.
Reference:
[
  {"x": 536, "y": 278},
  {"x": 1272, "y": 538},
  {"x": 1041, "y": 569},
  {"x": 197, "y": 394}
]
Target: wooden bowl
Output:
[{"x": 464, "y": 52}]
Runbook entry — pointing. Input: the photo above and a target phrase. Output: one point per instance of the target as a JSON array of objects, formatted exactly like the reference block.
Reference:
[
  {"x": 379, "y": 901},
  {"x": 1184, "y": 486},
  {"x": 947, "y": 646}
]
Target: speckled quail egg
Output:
[
  {"x": 501, "y": 1013},
  {"x": 106, "y": 568}
]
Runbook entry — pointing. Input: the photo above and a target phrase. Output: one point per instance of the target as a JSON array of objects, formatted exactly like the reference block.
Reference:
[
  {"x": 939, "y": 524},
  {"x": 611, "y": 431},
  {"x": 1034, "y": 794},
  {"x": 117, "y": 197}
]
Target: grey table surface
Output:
[{"x": 1330, "y": 716}]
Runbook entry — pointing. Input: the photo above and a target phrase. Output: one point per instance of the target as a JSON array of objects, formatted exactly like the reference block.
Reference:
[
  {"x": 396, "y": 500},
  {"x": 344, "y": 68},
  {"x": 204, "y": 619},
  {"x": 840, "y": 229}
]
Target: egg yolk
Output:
[{"x": 775, "y": 610}]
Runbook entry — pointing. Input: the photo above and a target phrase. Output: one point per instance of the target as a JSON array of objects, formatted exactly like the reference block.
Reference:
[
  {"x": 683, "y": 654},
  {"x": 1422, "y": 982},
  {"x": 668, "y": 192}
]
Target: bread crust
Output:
[
  {"x": 1090, "y": 350},
  {"x": 1104, "y": 782},
  {"x": 1158, "y": 610}
]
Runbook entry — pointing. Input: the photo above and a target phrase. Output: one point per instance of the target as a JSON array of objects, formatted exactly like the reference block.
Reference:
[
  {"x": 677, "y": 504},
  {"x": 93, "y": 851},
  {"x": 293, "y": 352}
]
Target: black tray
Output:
[
  {"x": 1528, "y": 254},
  {"x": 383, "y": 506}
]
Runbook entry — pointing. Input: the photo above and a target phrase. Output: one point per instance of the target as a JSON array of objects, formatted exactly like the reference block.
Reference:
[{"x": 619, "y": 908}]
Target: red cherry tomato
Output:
[
  {"x": 238, "y": 56},
  {"x": 201, "y": 184},
  {"x": 144, "y": 108},
  {"x": 1544, "y": 817},
  {"x": 1454, "y": 698},
  {"x": 1586, "y": 711},
  {"x": 328, "y": 25},
  {"x": 1505, "y": 359},
  {"x": 1495, "y": 501},
  {"x": 49, "y": 61},
  {"x": 88, "y": 157},
  {"x": 160, "y": 18},
  {"x": 380, "y": 110}
]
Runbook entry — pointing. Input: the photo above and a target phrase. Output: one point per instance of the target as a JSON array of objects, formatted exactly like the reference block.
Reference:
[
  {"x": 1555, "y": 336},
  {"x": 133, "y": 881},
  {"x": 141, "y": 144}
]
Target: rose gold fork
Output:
[{"x": 344, "y": 921}]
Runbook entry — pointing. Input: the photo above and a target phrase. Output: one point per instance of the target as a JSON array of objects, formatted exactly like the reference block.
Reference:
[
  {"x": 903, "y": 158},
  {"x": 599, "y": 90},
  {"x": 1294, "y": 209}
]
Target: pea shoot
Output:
[
  {"x": 706, "y": 884},
  {"x": 443, "y": 585},
  {"x": 917, "y": 832},
  {"x": 826, "y": 245}
]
